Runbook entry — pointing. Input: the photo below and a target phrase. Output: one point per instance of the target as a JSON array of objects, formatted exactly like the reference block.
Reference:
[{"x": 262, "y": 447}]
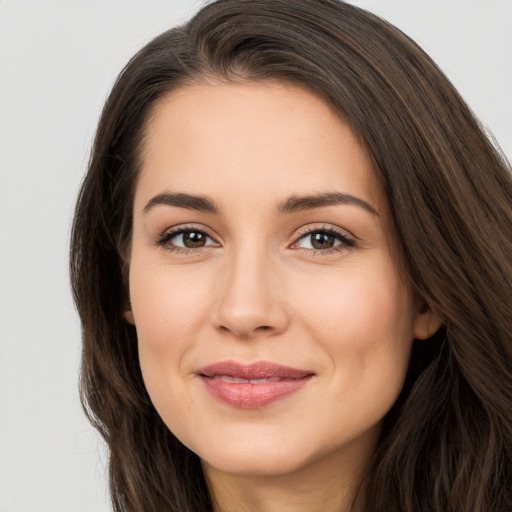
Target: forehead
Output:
[{"x": 217, "y": 137}]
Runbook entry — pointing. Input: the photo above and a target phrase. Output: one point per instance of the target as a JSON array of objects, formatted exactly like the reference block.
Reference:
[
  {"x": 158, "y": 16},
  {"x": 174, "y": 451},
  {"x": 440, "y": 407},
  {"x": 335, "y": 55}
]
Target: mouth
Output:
[{"x": 254, "y": 385}]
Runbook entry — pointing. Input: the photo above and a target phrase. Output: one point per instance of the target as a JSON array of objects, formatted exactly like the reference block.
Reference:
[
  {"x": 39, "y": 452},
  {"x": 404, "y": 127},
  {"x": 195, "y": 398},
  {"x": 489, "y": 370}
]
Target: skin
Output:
[{"x": 258, "y": 290}]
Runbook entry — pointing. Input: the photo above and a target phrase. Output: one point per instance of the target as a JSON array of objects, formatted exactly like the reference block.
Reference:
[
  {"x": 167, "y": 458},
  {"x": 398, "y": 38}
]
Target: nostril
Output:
[{"x": 245, "y": 332}]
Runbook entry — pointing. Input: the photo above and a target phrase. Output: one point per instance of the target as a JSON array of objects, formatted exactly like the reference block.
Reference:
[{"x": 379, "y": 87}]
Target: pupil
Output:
[
  {"x": 322, "y": 241},
  {"x": 193, "y": 239}
]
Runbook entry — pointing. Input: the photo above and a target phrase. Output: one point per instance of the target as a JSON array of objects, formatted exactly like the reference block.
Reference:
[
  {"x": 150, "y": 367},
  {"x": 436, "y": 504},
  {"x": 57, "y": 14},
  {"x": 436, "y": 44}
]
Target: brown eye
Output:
[
  {"x": 186, "y": 239},
  {"x": 193, "y": 239},
  {"x": 323, "y": 240}
]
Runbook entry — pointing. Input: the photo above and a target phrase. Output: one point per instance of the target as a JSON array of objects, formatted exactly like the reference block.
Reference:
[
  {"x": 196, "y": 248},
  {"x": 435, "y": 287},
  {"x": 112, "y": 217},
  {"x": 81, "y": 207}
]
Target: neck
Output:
[{"x": 329, "y": 484}]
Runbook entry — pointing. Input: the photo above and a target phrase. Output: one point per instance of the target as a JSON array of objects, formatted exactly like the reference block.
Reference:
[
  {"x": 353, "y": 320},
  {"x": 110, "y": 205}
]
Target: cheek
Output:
[
  {"x": 364, "y": 321},
  {"x": 360, "y": 302},
  {"x": 169, "y": 308},
  {"x": 166, "y": 302}
]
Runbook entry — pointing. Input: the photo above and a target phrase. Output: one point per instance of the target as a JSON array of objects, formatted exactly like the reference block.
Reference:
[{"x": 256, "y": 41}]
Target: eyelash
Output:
[
  {"x": 164, "y": 239},
  {"x": 347, "y": 242}
]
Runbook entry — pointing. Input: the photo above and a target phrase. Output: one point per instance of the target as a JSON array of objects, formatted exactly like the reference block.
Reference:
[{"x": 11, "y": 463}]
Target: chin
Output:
[
  {"x": 269, "y": 455},
  {"x": 260, "y": 463}
]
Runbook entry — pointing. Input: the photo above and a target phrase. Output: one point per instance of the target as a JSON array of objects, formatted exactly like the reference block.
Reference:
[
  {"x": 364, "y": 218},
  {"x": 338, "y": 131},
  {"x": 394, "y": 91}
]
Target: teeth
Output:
[
  {"x": 239, "y": 380},
  {"x": 232, "y": 380}
]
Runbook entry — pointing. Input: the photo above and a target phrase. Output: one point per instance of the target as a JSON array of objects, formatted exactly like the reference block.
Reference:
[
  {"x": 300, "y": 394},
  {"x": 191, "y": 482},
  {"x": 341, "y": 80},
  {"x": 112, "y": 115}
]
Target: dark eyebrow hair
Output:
[
  {"x": 190, "y": 202},
  {"x": 290, "y": 205},
  {"x": 300, "y": 203}
]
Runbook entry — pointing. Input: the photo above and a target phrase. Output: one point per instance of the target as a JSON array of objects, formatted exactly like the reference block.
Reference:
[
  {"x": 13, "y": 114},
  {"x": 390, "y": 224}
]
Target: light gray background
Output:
[{"x": 57, "y": 63}]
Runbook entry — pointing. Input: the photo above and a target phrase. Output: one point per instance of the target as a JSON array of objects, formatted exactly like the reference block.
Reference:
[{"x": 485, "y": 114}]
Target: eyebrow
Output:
[
  {"x": 291, "y": 205},
  {"x": 188, "y": 201},
  {"x": 301, "y": 203}
]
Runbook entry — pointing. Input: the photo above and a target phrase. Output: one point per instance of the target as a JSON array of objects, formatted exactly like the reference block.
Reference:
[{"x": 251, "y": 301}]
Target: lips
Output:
[{"x": 252, "y": 386}]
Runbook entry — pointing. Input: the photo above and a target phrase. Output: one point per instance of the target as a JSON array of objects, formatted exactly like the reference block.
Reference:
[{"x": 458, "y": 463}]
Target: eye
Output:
[
  {"x": 186, "y": 239},
  {"x": 323, "y": 240}
]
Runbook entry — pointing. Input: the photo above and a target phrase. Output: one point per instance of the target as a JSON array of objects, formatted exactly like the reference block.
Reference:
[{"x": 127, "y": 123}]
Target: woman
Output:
[{"x": 291, "y": 258}]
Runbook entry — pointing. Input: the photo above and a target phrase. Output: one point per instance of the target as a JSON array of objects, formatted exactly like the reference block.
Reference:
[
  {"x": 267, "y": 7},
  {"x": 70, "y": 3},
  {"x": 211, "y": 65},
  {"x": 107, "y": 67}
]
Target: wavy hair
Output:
[{"x": 446, "y": 445}]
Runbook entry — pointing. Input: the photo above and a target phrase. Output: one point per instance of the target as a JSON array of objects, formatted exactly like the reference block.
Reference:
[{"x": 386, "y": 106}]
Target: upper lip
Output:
[{"x": 256, "y": 370}]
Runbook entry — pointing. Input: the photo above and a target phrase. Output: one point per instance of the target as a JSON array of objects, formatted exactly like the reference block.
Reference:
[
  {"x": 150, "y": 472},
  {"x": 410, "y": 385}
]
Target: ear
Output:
[
  {"x": 426, "y": 322},
  {"x": 128, "y": 316}
]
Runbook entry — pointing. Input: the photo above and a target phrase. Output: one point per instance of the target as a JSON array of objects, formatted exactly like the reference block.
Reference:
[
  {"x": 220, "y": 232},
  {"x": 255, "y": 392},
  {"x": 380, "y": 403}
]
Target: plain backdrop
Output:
[{"x": 58, "y": 60}]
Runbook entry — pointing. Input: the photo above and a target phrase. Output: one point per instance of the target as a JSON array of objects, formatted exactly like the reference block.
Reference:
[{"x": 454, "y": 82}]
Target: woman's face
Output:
[{"x": 274, "y": 330}]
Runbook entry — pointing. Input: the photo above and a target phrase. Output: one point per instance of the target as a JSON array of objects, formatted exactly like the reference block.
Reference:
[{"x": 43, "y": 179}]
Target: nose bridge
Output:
[{"x": 250, "y": 300}]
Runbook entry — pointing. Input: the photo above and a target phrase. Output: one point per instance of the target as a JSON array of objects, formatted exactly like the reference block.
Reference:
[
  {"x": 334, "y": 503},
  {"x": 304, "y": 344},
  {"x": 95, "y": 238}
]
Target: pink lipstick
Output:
[{"x": 254, "y": 385}]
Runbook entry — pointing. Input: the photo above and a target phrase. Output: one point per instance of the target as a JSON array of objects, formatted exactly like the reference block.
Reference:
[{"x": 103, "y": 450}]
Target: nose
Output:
[{"x": 251, "y": 299}]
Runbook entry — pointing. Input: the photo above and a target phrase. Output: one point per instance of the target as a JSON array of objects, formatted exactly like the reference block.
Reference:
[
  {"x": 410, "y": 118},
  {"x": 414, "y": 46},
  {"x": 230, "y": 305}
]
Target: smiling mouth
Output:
[{"x": 252, "y": 386}]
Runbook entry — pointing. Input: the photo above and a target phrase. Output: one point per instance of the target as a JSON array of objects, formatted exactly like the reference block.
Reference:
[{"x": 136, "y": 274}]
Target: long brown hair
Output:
[{"x": 447, "y": 443}]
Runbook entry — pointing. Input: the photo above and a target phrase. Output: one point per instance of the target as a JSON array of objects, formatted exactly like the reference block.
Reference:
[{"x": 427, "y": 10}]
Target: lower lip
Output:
[{"x": 253, "y": 396}]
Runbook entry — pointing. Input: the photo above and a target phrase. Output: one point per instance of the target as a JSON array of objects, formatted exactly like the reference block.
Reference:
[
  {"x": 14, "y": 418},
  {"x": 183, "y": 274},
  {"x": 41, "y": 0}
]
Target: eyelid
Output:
[
  {"x": 163, "y": 237},
  {"x": 348, "y": 240},
  {"x": 323, "y": 226}
]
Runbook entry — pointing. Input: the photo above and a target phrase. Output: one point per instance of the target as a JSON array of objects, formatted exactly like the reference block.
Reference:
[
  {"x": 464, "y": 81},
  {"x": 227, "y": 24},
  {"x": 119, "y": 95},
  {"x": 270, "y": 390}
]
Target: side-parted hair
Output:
[{"x": 446, "y": 445}]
